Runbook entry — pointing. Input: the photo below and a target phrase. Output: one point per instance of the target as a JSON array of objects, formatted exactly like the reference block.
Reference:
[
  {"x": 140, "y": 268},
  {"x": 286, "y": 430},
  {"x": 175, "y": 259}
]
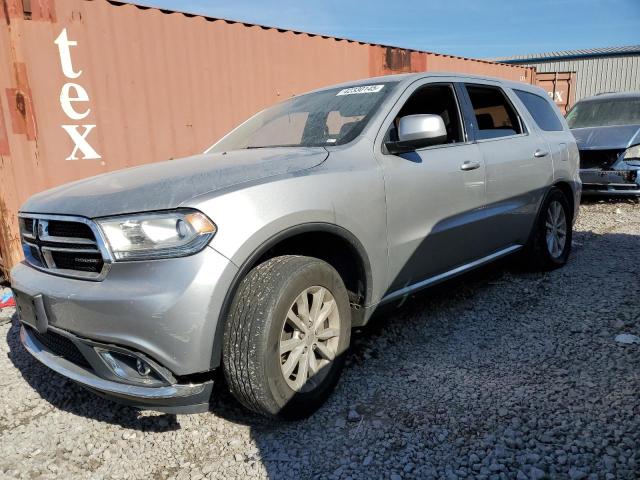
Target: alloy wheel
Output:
[
  {"x": 309, "y": 339},
  {"x": 556, "y": 229}
]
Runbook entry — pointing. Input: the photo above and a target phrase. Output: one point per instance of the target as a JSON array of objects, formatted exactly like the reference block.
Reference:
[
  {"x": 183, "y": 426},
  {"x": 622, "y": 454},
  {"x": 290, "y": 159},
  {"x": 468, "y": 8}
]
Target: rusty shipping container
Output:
[
  {"x": 560, "y": 86},
  {"x": 88, "y": 87}
]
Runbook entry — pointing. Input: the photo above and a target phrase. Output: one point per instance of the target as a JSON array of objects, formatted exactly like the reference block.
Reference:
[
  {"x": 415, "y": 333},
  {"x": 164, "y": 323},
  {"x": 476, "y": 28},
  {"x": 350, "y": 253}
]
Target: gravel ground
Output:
[{"x": 501, "y": 374}]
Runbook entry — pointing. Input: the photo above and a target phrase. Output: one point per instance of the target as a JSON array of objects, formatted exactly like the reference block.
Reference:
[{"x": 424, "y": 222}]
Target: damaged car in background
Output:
[{"x": 607, "y": 130}]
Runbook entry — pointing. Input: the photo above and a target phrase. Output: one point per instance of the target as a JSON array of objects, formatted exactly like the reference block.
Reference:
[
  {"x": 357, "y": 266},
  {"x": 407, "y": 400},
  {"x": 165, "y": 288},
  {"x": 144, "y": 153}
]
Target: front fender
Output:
[{"x": 348, "y": 200}]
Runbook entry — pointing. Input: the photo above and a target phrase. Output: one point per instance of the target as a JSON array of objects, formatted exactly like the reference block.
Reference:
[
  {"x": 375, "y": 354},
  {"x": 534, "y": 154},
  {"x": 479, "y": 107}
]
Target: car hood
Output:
[
  {"x": 169, "y": 184},
  {"x": 615, "y": 137}
]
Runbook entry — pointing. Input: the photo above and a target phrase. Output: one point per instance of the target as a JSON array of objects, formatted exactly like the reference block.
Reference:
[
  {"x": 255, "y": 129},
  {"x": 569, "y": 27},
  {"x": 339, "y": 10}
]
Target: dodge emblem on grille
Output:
[{"x": 86, "y": 260}]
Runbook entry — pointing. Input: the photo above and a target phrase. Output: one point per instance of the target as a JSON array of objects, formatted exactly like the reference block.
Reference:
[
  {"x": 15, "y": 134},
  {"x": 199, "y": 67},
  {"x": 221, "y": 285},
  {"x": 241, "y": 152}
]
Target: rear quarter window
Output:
[{"x": 541, "y": 111}]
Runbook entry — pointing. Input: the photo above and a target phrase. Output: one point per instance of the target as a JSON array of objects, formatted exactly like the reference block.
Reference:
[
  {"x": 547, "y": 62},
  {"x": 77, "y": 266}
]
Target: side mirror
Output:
[{"x": 418, "y": 131}]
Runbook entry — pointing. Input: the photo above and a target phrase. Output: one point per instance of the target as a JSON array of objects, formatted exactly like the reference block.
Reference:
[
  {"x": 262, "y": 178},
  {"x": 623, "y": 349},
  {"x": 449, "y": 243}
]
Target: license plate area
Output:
[{"x": 31, "y": 311}]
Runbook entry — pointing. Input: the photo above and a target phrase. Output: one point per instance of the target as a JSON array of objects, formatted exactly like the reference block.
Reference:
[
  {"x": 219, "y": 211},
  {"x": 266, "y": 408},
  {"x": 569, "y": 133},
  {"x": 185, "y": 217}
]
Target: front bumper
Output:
[
  {"x": 191, "y": 397},
  {"x": 610, "y": 182},
  {"x": 164, "y": 312},
  {"x": 166, "y": 309}
]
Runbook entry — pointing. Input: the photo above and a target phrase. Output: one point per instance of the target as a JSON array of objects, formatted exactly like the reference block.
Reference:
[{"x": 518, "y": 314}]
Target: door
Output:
[
  {"x": 434, "y": 195},
  {"x": 517, "y": 160},
  {"x": 546, "y": 117}
]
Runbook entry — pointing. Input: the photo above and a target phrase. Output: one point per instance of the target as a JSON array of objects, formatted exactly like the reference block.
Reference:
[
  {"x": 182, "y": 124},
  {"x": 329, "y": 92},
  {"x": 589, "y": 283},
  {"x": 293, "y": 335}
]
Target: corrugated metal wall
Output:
[
  {"x": 599, "y": 74},
  {"x": 142, "y": 85}
]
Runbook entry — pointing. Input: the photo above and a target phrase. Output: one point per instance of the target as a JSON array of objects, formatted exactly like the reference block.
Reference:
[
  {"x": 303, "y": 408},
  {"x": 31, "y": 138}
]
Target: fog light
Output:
[
  {"x": 131, "y": 368},
  {"x": 142, "y": 368}
]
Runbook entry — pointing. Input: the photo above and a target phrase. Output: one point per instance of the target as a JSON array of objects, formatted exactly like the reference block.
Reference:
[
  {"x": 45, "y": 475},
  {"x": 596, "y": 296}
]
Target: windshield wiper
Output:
[{"x": 251, "y": 147}]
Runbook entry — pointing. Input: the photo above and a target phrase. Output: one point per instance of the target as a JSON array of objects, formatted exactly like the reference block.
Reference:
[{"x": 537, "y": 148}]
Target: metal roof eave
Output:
[{"x": 570, "y": 56}]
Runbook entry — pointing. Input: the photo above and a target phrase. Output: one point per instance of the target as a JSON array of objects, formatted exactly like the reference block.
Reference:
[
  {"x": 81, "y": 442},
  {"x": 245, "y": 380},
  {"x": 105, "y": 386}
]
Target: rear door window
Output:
[
  {"x": 495, "y": 116},
  {"x": 541, "y": 111}
]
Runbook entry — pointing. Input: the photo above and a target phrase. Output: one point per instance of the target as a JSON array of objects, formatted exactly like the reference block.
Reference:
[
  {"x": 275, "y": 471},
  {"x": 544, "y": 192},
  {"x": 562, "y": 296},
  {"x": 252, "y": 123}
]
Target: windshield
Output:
[
  {"x": 601, "y": 113},
  {"x": 326, "y": 118}
]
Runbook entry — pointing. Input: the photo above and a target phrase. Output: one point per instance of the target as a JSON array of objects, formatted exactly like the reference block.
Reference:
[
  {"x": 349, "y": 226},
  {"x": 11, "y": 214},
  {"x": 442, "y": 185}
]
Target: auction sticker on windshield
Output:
[{"x": 358, "y": 90}]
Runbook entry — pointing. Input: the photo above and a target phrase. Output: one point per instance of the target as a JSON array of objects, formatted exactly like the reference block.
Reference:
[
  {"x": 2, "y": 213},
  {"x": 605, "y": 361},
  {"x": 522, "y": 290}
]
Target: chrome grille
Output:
[
  {"x": 62, "y": 245},
  {"x": 58, "y": 228}
]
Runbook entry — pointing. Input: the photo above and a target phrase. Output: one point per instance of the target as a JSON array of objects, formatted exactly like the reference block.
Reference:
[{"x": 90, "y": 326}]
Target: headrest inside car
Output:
[{"x": 485, "y": 121}]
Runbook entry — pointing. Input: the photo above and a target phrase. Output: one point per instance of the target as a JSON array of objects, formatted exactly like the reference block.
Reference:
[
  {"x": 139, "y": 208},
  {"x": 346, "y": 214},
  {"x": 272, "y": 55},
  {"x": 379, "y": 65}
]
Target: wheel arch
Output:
[
  {"x": 565, "y": 187},
  {"x": 328, "y": 240}
]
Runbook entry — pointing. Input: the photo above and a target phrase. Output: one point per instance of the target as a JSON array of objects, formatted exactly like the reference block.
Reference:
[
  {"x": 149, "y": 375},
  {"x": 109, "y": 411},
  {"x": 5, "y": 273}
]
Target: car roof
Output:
[
  {"x": 408, "y": 78},
  {"x": 612, "y": 96}
]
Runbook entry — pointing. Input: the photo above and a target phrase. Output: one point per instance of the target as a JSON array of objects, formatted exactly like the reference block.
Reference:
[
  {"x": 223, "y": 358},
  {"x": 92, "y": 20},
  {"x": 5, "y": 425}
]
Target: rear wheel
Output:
[
  {"x": 285, "y": 339},
  {"x": 550, "y": 243}
]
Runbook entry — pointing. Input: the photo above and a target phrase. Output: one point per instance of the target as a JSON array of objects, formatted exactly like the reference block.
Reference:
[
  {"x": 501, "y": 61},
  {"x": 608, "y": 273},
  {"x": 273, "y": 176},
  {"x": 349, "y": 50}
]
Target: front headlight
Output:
[
  {"x": 632, "y": 155},
  {"x": 154, "y": 235}
]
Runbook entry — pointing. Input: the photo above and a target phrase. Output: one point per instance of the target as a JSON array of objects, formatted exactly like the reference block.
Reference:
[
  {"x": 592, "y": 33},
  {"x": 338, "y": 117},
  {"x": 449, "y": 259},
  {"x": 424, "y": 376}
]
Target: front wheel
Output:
[
  {"x": 550, "y": 243},
  {"x": 286, "y": 336}
]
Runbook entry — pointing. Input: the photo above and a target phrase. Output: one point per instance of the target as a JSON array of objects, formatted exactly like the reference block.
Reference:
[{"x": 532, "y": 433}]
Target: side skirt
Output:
[{"x": 403, "y": 292}]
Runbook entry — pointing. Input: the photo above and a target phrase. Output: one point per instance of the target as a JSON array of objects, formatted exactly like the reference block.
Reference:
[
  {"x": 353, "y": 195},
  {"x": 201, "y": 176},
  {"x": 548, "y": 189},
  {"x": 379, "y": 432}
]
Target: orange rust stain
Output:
[
  {"x": 21, "y": 112},
  {"x": 397, "y": 60},
  {"x": 17, "y": 111},
  {"x": 20, "y": 104},
  {"x": 13, "y": 8},
  {"x": 43, "y": 10}
]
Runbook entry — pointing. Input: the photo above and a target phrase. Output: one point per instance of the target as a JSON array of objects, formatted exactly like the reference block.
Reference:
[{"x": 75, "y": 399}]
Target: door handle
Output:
[
  {"x": 540, "y": 153},
  {"x": 466, "y": 166}
]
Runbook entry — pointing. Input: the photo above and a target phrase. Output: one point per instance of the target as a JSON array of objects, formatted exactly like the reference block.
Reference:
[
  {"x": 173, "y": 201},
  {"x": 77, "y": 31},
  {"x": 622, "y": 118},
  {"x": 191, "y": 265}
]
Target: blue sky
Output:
[{"x": 474, "y": 28}]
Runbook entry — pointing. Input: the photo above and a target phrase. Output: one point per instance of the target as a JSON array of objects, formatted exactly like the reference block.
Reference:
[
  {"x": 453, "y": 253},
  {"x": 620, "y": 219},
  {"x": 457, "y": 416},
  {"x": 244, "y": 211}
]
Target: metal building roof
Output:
[{"x": 569, "y": 54}]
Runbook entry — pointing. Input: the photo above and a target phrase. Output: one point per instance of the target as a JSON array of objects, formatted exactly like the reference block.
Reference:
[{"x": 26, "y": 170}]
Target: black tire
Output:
[
  {"x": 537, "y": 255},
  {"x": 251, "y": 351}
]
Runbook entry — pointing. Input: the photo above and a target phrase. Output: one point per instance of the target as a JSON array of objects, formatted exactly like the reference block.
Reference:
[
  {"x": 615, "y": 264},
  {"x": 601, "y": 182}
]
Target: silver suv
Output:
[{"x": 258, "y": 257}]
